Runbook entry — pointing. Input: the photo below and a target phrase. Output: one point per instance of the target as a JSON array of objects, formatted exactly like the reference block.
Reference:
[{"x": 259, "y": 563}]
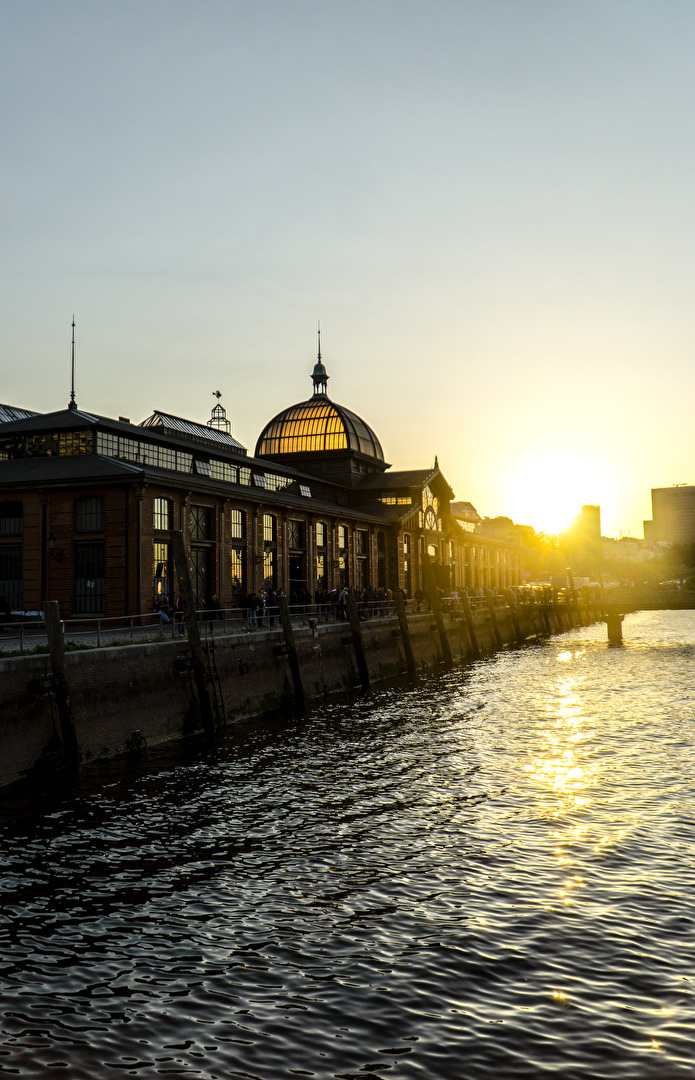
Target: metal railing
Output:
[{"x": 27, "y": 633}]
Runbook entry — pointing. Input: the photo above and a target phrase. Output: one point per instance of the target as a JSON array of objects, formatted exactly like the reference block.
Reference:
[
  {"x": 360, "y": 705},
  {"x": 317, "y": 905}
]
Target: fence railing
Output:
[{"x": 25, "y": 632}]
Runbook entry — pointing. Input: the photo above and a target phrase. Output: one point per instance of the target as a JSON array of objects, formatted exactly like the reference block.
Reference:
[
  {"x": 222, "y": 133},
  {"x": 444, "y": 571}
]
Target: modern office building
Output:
[{"x": 673, "y": 515}]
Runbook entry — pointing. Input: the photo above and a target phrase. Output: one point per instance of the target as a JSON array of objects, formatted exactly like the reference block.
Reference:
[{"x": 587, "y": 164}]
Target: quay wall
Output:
[{"x": 150, "y": 687}]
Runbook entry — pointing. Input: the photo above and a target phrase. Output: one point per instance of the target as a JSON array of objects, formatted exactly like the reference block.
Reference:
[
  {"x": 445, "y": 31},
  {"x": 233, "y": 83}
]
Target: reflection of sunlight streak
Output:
[
  {"x": 563, "y": 771},
  {"x": 559, "y": 767}
]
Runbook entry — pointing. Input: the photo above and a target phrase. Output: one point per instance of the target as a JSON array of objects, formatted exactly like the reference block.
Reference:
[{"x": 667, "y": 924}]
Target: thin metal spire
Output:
[
  {"x": 72, "y": 404},
  {"x": 319, "y": 376}
]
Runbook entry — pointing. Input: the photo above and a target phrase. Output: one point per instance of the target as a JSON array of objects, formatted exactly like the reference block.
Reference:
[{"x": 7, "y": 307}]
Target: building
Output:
[
  {"x": 673, "y": 515},
  {"x": 88, "y": 503}
]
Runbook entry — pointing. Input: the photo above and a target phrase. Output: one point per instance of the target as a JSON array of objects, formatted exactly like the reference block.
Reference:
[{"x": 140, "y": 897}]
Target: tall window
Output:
[
  {"x": 161, "y": 514},
  {"x": 269, "y": 528},
  {"x": 320, "y": 534},
  {"x": 269, "y": 580},
  {"x": 320, "y": 571},
  {"x": 10, "y": 519},
  {"x": 407, "y": 576},
  {"x": 361, "y": 558},
  {"x": 11, "y": 575},
  {"x": 89, "y": 578},
  {"x": 342, "y": 556},
  {"x": 381, "y": 560},
  {"x": 201, "y": 523},
  {"x": 406, "y": 544},
  {"x": 237, "y": 576},
  {"x": 237, "y": 524},
  {"x": 160, "y": 570},
  {"x": 89, "y": 514}
]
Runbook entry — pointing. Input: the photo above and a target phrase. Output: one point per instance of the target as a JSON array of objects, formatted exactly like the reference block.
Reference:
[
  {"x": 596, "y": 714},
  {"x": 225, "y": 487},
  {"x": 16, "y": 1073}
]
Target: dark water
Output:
[{"x": 491, "y": 874}]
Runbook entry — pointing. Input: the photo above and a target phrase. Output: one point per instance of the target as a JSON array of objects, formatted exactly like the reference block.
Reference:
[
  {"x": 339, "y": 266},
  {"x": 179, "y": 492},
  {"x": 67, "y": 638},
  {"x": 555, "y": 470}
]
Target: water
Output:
[{"x": 490, "y": 874}]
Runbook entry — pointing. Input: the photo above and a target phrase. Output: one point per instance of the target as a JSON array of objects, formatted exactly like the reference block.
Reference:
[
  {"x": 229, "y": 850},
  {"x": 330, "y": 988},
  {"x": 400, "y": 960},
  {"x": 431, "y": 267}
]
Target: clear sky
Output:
[{"x": 488, "y": 204}]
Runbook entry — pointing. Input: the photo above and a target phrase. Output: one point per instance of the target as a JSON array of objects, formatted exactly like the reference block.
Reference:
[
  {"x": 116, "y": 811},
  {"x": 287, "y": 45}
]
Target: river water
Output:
[{"x": 488, "y": 874}]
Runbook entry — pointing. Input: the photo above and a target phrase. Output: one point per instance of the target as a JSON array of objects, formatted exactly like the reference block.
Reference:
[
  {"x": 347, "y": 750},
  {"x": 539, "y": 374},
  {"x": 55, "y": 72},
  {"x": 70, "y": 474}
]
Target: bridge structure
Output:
[{"x": 625, "y": 600}]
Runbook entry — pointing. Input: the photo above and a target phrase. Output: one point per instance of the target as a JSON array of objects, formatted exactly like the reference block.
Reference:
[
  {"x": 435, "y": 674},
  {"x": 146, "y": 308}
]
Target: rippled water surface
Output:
[{"x": 488, "y": 874}]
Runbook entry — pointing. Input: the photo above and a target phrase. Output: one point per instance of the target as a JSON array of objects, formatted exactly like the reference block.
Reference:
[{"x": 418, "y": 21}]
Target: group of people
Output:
[
  {"x": 261, "y": 608},
  {"x": 332, "y": 603}
]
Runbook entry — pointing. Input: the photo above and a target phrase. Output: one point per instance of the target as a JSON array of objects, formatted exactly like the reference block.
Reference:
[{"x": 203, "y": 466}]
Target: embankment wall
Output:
[{"x": 149, "y": 687}]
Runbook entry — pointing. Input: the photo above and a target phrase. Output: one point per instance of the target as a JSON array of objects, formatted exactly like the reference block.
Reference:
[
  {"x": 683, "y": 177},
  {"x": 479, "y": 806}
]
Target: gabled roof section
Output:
[
  {"x": 60, "y": 470},
  {"x": 11, "y": 412},
  {"x": 64, "y": 419},
  {"x": 409, "y": 478},
  {"x": 168, "y": 424}
]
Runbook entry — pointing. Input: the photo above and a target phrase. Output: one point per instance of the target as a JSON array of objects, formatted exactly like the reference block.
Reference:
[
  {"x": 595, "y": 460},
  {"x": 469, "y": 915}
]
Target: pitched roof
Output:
[
  {"x": 177, "y": 425},
  {"x": 11, "y": 412},
  {"x": 69, "y": 469},
  {"x": 409, "y": 478}
]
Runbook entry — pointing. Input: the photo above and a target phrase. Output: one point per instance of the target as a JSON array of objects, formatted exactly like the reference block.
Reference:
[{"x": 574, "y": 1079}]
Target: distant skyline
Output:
[{"x": 487, "y": 205}]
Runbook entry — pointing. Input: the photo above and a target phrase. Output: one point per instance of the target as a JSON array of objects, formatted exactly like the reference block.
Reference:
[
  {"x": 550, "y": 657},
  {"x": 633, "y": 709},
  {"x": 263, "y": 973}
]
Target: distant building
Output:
[
  {"x": 673, "y": 515},
  {"x": 584, "y": 534},
  {"x": 590, "y": 523}
]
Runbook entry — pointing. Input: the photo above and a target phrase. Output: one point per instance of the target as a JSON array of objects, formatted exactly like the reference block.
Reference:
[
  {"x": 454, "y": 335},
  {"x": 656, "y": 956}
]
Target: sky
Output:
[{"x": 487, "y": 205}]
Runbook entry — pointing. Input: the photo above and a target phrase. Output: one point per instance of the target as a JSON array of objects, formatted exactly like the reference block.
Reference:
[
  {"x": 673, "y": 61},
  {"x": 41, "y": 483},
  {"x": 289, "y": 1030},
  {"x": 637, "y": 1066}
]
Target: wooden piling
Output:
[
  {"x": 511, "y": 603},
  {"x": 433, "y": 594},
  {"x": 405, "y": 631},
  {"x": 183, "y": 578},
  {"x": 358, "y": 641},
  {"x": 470, "y": 624},
  {"x": 292, "y": 654},
  {"x": 614, "y": 623},
  {"x": 493, "y": 618},
  {"x": 56, "y": 649}
]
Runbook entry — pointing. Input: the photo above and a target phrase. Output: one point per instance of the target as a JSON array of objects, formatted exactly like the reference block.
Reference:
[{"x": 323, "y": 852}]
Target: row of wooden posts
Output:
[{"x": 197, "y": 660}]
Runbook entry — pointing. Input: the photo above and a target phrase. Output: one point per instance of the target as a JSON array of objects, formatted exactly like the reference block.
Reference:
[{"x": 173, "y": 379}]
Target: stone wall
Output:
[{"x": 150, "y": 688}]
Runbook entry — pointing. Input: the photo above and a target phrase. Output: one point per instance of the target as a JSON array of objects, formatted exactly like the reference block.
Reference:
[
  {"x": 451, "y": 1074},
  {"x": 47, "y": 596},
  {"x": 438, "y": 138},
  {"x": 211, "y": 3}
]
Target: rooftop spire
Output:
[
  {"x": 72, "y": 404},
  {"x": 319, "y": 376}
]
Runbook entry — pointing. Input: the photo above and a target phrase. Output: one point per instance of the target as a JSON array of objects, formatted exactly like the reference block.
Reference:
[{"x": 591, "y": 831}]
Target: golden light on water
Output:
[{"x": 558, "y": 767}]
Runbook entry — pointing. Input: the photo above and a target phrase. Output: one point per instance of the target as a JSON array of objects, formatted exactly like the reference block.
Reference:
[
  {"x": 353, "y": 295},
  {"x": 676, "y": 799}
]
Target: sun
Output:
[{"x": 547, "y": 492}]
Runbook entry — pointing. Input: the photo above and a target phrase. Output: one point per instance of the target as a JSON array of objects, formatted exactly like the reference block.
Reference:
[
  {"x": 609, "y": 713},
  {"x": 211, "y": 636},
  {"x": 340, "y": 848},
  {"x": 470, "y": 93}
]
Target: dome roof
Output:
[{"x": 317, "y": 426}]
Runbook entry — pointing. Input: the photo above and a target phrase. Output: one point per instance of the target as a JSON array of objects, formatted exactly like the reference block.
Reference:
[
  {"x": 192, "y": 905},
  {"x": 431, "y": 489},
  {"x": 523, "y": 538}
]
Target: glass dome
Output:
[{"x": 317, "y": 426}]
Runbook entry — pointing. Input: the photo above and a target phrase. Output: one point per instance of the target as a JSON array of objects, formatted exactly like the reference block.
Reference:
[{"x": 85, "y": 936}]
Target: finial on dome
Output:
[{"x": 319, "y": 376}]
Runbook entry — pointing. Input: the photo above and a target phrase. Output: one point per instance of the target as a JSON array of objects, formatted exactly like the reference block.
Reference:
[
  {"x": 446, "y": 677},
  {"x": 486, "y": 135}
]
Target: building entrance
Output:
[
  {"x": 298, "y": 578},
  {"x": 200, "y": 575}
]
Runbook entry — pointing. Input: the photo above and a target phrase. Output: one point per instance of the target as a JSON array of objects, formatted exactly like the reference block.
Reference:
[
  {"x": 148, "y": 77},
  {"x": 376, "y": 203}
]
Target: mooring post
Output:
[
  {"x": 358, "y": 641},
  {"x": 56, "y": 649},
  {"x": 292, "y": 654},
  {"x": 493, "y": 617},
  {"x": 571, "y": 599},
  {"x": 433, "y": 594},
  {"x": 614, "y": 624},
  {"x": 183, "y": 578},
  {"x": 405, "y": 631},
  {"x": 470, "y": 624}
]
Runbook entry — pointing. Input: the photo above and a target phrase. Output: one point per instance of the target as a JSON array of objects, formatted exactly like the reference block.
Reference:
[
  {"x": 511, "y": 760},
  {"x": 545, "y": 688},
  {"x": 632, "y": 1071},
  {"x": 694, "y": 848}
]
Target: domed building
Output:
[
  {"x": 88, "y": 504},
  {"x": 323, "y": 438}
]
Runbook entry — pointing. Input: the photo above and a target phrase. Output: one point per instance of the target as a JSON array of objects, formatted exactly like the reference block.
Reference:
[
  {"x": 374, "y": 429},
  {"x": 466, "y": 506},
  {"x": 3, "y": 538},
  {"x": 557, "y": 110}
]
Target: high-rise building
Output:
[{"x": 673, "y": 515}]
